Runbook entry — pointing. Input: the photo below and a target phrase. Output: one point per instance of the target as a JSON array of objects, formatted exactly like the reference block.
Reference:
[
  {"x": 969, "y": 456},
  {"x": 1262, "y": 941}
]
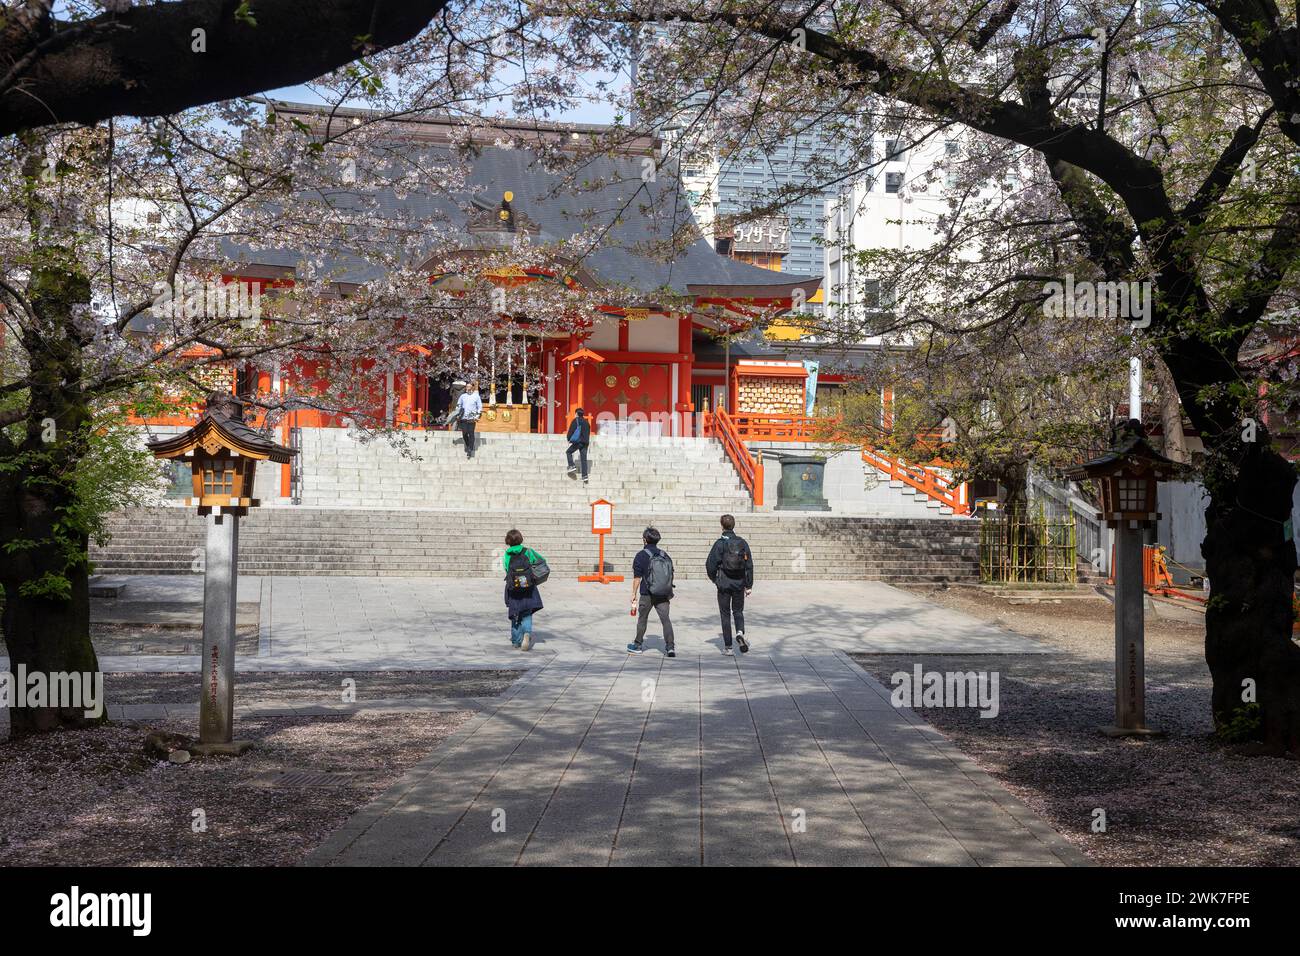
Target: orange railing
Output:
[
  {"x": 935, "y": 485},
  {"x": 778, "y": 427},
  {"x": 750, "y": 467},
  {"x": 781, "y": 427},
  {"x": 734, "y": 430},
  {"x": 1156, "y": 578}
]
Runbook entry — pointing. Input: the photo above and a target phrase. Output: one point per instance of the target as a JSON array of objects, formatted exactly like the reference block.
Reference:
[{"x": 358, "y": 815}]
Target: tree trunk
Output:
[
  {"x": 44, "y": 565},
  {"x": 1171, "y": 415},
  {"x": 49, "y": 636},
  {"x": 46, "y": 616},
  {"x": 1014, "y": 477},
  {"x": 1171, "y": 423},
  {"x": 1250, "y": 559}
]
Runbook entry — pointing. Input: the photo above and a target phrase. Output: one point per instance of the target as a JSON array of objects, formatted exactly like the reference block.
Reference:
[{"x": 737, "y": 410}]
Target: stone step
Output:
[
  {"x": 665, "y": 474},
  {"x": 336, "y": 541},
  {"x": 431, "y": 470}
]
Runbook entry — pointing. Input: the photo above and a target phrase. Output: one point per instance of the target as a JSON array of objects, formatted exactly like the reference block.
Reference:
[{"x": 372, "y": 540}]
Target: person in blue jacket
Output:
[{"x": 521, "y": 602}]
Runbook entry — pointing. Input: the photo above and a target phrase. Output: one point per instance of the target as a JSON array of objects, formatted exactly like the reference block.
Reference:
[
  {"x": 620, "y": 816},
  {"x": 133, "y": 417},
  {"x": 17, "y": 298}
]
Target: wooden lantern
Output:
[
  {"x": 1127, "y": 476},
  {"x": 223, "y": 453}
]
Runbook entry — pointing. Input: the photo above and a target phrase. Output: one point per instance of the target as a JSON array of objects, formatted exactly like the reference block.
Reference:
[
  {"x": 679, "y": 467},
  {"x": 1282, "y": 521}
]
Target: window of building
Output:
[
  {"x": 893, "y": 182},
  {"x": 876, "y": 296},
  {"x": 871, "y": 293},
  {"x": 894, "y": 151}
]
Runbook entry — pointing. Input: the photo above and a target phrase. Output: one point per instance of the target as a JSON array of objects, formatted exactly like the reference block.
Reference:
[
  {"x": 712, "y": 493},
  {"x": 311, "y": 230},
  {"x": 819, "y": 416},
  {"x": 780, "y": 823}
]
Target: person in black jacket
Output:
[
  {"x": 731, "y": 567},
  {"x": 579, "y": 435}
]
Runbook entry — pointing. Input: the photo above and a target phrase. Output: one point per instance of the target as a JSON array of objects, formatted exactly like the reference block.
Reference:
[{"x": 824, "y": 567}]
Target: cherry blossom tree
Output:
[
  {"x": 115, "y": 236},
  {"x": 80, "y": 61},
  {"x": 1162, "y": 141}
]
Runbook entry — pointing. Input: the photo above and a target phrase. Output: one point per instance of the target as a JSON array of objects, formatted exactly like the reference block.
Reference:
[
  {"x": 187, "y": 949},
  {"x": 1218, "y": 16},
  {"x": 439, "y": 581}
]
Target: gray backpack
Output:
[{"x": 659, "y": 579}]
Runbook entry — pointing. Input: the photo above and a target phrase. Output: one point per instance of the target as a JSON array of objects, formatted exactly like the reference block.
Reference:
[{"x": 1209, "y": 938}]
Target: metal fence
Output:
[{"x": 1029, "y": 548}]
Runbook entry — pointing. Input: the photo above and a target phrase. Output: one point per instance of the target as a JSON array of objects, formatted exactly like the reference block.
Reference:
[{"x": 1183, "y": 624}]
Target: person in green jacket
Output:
[{"x": 521, "y": 601}]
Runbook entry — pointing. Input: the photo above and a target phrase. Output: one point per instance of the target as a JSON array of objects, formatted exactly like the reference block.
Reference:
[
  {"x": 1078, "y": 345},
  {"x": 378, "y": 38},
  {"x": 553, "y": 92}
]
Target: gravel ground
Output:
[
  {"x": 111, "y": 639},
  {"x": 312, "y": 688},
  {"x": 1182, "y": 800},
  {"x": 92, "y": 798}
]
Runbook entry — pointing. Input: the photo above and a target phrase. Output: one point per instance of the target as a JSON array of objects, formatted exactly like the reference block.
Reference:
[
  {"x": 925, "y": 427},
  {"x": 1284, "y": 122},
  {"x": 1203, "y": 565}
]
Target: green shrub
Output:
[{"x": 1242, "y": 725}]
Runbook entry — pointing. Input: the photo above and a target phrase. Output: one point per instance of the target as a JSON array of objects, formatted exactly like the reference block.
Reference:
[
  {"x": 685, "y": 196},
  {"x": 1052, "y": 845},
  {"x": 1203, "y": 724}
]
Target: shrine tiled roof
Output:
[{"x": 627, "y": 220}]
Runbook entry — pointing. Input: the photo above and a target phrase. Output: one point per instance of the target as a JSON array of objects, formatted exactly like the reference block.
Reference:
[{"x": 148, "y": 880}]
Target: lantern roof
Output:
[
  {"x": 221, "y": 426},
  {"x": 1129, "y": 450}
]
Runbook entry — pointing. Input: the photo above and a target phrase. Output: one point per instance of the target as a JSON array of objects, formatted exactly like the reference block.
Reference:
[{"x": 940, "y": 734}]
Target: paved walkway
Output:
[
  {"x": 331, "y": 623},
  {"x": 788, "y": 755},
  {"x": 617, "y": 760}
]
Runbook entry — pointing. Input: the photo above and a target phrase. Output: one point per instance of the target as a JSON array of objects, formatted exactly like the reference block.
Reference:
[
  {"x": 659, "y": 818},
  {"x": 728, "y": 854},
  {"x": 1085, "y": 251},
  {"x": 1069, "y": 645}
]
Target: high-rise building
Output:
[
  {"x": 723, "y": 188},
  {"x": 897, "y": 205},
  {"x": 791, "y": 240}
]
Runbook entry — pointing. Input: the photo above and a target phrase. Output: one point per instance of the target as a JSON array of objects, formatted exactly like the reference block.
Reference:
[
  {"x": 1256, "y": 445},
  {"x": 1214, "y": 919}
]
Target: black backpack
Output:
[
  {"x": 523, "y": 573},
  {"x": 733, "y": 558}
]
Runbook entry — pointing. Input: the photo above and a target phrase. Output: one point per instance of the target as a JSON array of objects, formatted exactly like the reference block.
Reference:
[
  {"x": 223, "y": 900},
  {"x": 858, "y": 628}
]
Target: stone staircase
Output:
[
  {"x": 466, "y": 543},
  {"x": 517, "y": 471},
  {"x": 916, "y": 496},
  {"x": 853, "y": 484}
]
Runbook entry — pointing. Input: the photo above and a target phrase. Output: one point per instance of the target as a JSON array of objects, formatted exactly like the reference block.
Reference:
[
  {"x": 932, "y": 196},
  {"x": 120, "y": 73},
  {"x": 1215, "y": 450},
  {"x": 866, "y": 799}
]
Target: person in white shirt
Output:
[{"x": 470, "y": 407}]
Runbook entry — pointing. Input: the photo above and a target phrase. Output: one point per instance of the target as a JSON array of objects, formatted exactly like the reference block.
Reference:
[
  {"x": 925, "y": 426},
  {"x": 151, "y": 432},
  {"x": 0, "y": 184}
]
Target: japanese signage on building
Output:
[{"x": 771, "y": 234}]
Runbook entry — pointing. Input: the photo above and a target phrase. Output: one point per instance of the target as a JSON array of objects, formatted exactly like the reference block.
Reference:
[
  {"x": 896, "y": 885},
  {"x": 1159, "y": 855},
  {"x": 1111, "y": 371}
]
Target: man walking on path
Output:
[
  {"x": 652, "y": 586},
  {"x": 470, "y": 407},
  {"x": 579, "y": 435},
  {"x": 731, "y": 567}
]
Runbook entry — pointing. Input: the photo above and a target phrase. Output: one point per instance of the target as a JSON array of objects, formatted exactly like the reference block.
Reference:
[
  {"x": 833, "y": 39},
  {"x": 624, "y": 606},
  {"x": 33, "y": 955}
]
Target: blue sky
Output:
[{"x": 598, "y": 112}]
